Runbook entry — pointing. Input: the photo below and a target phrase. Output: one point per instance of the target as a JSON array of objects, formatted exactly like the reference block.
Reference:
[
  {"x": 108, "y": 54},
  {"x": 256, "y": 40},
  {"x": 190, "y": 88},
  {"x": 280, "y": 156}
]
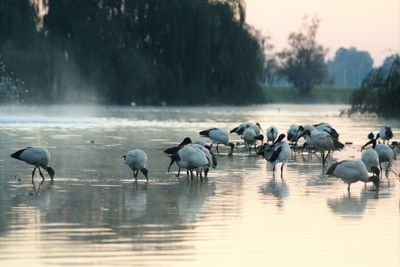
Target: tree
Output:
[
  {"x": 303, "y": 63},
  {"x": 350, "y": 66},
  {"x": 380, "y": 91}
]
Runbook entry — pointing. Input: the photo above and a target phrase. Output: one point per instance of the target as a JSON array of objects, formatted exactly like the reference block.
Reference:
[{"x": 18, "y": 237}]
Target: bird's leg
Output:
[
  {"x": 217, "y": 149},
  {"x": 41, "y": 174},
  {"x": 380, "y": 167},
  {"x": 348, "y": 188},
  {"x": 283, "y": 164},
  {"x": 327, "y": 156},
  {"x": 273, "y": 169},
  {"x": 206, "y": 172},
  {"x": 33, "y": 174},
  {"x": 179, "y": 171}
]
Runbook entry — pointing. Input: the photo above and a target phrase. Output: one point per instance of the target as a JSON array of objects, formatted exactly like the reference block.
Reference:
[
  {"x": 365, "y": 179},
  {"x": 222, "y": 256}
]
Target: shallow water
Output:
[{"x": 93, "y": 213}]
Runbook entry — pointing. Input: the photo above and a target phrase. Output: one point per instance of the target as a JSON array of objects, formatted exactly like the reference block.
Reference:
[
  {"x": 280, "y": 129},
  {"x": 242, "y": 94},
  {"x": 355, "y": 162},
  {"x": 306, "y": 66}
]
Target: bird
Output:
[
  {"x": 351, "y": 171},
  {"x": 322, "y": 141},
  {"x": 38, "y": 157},
  {"x": 136, "y": 159},
  {"x": 190, "y": 157},
  {"x": 385, "y": 153},
  {"x": 370, "y": 158},
  {"x": 240, "y": 129},
  {"x": 386, "y": 134},
  {"x": 173, "y": 150},
  {"x": 272, "y": 134},
  {"x": 250, "y": 137},
  {"x": 326, "y": 127},
  {"x": 278, "y": 151},
  {"x": 218, "y": 136},
  {"x": 293, "y": 132}
]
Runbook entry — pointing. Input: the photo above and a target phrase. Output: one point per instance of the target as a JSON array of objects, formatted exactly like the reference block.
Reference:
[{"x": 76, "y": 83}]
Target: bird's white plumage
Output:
[
  {"x": 219, "y": 136},
  {"x": 192, "y": 157},
  {"x": 249, "y": 136},
  {"x": 370, "y": 158},
  {"x": 136, "y": 159},
  {"x": 272, "y": 133},
  {"x": 351, "y": 171},
  {"x": 293, "y": 132}
]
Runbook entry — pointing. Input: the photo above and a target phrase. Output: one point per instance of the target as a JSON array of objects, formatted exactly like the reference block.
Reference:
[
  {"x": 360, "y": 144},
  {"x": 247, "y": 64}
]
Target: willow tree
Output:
[
  {"x": 303, "y": 63},
  {"x": 380, "y": 91}
]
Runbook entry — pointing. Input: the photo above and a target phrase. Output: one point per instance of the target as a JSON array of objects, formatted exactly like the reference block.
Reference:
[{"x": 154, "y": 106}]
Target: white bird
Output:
[
  {"x": 386, "y": 134},
  {"x": 351, "y": 171},
  {"x": 278, "y": 151},
  {"x": 293, "y": 133},
  {"x": 321, "y": 141},
  {"x": 272, "y": 134},
  {"x": 218, "y": 136},
  {"x": 385, "y": 153},
  {"x": 191, "y": 158},
  {"x": 250, "y": 137},
  {"x": 38, "y": 157},
  {"x": 240, "y": 129},
  {"x": 370, "y": 158},
  {"x": 326, "y": 127},
  {"x": 136, "y": 159}
]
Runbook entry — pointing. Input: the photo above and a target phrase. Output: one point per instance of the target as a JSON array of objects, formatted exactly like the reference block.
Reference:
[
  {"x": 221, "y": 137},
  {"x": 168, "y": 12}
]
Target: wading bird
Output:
[
  {"x": 218, "y": 136},
  {"x": 190, "y": 158},
  {"x": 322, "y": 141},
  {"x": 38, "y": 157},
  {"x": 386, "y": 134},
  {"x": 136, "y": 159},
  {"x": 351, "y": 171},
  {"x": 272, "y": 134},
  {"x": 278, "y": 151},
  {"x": 385, "y": 154},
  {"x": 250, "y": 138}
]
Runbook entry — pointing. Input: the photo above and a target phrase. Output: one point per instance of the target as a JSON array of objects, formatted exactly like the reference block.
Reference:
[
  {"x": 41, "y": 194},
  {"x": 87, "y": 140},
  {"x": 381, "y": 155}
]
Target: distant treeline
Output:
[{"x": 148, "y": 52}]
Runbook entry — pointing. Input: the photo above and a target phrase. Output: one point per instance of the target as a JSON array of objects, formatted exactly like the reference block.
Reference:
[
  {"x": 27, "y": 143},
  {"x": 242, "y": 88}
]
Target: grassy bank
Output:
[{"x": 332, "y": 95}]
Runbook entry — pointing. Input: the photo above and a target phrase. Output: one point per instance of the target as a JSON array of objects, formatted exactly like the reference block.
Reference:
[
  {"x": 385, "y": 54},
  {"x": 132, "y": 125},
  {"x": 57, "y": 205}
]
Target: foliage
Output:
[
  {"x": 380, "y": 92},
  {"x": 303, "y": 63},
  {"x": 350, "y": 66},
  {"x": 148, "y": 52}
]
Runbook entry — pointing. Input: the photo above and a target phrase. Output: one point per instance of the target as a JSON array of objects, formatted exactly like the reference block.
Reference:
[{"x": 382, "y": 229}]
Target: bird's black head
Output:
[
  {"x": 375, "y": 180},
  {"x": 376, "y": 171},
  {"x": 260, "y": 137},
  {"x": 185, "y": 141},
  {"x": 280, "y": 138},
  {"x": 258, "y": 125},
  {"x": 145, "y": 173},
  {"x": 371, "y": 136},
  {"x": 51, "y": 172}
]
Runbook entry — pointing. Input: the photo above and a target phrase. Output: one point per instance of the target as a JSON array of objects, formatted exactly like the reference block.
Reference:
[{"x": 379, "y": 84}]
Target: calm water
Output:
[{"x": 93, "y": 213}]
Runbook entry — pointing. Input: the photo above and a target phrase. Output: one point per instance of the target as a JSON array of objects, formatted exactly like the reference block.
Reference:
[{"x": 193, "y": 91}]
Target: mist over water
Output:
[{"x": 93, "y": 213}]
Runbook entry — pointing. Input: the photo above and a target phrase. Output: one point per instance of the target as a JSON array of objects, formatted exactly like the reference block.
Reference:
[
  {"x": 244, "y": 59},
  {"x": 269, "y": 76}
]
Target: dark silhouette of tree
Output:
[
  {"x": 303, "y": 63},
  {"x": 350, "y": 66},
  {"x": 380, "y": 92}
]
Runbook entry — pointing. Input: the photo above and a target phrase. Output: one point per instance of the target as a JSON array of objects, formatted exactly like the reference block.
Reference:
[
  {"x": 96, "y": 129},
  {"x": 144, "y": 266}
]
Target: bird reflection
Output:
[
  {"x": 279, "y": 190},
  {"x": 351, "y": 205}
]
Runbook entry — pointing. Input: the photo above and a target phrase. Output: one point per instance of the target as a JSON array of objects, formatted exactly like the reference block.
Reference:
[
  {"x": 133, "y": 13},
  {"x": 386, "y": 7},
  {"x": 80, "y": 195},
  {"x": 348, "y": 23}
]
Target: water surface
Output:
[{"x": 94, "y": 214}]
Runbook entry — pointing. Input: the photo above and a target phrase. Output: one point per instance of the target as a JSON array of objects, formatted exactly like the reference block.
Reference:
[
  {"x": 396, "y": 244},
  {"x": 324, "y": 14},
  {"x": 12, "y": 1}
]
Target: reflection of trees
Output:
[{"x": 349, "y": 205}]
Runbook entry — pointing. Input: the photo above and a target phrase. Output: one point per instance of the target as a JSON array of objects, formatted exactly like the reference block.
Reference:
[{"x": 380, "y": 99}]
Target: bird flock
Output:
[{"x": 197, "y": 158}]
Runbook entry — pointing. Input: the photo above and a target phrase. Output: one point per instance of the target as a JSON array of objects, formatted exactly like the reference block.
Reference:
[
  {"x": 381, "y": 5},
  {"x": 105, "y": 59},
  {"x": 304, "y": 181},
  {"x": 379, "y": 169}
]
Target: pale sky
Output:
[{"x": 370, "y": 25}]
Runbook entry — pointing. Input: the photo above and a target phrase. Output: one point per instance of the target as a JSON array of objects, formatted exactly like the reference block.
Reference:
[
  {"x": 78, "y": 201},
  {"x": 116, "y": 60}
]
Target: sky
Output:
[{"x": 368, "y": 25}]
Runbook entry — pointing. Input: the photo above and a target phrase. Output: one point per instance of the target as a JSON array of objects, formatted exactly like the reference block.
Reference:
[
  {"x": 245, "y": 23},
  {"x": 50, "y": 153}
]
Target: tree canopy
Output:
[
  {"x": 148, "y": 52},
  {"x": 380, "y": 92},
  {"x": 303, "y": 63}
]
